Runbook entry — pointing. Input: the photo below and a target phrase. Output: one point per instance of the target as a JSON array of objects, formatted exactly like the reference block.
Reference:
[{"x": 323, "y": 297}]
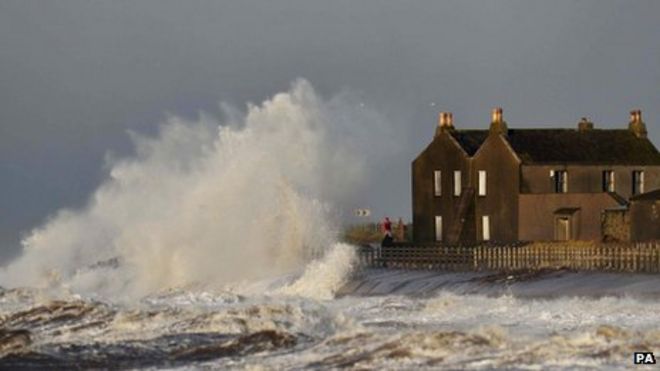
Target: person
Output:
[{"x": 387, "y": 231}]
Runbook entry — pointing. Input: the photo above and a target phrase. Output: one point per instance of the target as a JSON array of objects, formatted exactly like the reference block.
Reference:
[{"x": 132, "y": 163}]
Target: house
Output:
[{"x": 509, "y": 185}]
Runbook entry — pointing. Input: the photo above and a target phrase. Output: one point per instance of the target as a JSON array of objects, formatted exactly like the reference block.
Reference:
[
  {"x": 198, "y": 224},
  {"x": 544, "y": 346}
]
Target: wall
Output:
[
  {"x": 446, "y": 155},
  {"x": 502, "y": 180},
  {"x": 616, "y": 225},
  {"x": 645, "y": 220},
  {"x": 586, "y": 178},
  {"x": 537, "y": 214}
]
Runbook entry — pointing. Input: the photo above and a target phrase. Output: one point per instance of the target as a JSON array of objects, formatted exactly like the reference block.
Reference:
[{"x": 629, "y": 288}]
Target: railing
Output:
[{"x": 618, "y": 257}]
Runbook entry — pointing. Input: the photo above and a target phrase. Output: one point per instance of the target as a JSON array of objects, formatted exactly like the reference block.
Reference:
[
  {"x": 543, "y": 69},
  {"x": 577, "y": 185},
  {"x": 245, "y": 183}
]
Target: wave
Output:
[
  {"x": 223, "y": 330},
  {"x": 209, "y": 202}
]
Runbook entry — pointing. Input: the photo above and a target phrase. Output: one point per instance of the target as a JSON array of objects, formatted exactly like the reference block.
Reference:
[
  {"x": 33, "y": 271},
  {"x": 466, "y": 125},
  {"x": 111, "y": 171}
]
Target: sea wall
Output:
[{"x": 582, "y": 256}]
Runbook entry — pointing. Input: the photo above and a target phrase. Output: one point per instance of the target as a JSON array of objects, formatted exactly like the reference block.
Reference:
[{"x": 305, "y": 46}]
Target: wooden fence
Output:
[{"x": 617, "y": 257}]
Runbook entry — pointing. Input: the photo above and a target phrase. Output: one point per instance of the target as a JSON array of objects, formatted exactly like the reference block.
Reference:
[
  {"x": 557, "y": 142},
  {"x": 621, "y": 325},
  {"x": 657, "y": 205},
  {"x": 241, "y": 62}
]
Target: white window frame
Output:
[
  {"x": 437, "y": 183},
  {"x": 457, "y": 183},
  {"x": 483, "y": 179},
  {"x": 485, "y": 228},
  {"x": 638, "y": 182},
  {"x": 609, "y": 181},
  {"x": 560, "y": 177},
  {"x": 438, "y": 228}
]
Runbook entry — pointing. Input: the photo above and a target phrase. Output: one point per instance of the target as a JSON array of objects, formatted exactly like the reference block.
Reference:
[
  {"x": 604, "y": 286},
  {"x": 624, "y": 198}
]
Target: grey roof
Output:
[
  {"x": 596, "y": 146},
  {"x": 652, "y": 196}
]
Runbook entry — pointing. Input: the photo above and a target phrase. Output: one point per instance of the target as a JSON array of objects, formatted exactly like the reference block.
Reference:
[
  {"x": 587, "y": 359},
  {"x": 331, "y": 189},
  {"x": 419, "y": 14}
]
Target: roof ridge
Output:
[
  {"x": 563, "y": 145},
  {"x": 552, "y": 129}
]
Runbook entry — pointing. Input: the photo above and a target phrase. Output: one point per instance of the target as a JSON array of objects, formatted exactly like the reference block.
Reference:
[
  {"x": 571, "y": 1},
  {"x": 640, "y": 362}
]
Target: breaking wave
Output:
[{"x": 257, "y": 195}]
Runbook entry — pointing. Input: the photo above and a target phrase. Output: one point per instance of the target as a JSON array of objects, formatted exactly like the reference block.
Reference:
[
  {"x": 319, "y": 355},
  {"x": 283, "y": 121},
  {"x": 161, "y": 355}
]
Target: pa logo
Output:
[{"x": 644, "y": 358}]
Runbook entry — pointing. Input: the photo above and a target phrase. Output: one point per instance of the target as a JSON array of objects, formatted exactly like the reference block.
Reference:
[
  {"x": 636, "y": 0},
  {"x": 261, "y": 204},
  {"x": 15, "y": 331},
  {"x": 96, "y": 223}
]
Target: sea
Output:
[{"x": 376, "y": 319}]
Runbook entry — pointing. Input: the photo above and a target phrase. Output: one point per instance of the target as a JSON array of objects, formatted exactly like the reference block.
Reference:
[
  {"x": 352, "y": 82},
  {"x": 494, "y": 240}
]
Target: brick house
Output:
[{"x": 508, "y": 185}]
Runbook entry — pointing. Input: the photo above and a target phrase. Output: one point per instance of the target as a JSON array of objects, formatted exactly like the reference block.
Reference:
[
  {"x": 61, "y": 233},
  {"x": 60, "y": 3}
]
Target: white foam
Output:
[
  {"x": 211, "y": 202},
  {"x": 324, "y": 277}
]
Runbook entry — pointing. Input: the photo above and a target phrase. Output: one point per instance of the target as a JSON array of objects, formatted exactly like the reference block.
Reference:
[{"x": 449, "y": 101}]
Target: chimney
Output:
[
  {"x": 496, "y": 114},
  {"x": 445, "y": 122},
  {"x": 585, "y": 125},
  {"x": 636, "y": 124},
  {"x": 498, "y": 125}
]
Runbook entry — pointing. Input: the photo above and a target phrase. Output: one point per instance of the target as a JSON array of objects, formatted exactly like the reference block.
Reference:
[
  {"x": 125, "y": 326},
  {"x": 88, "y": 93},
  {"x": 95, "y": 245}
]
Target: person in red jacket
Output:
[
  {"x": 387, "y": 230},
  {"x": 387, "y": 226}
]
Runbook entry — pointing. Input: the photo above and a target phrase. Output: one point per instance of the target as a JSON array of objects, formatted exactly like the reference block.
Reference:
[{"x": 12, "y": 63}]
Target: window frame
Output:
[
  {"x": 439, "y": 234},
  {"x": 560, "y": 181},
  {"x": 485, "y": 228},
  {"x": 437, "y": 183},
  {"x": 637, "y": 182},
  {"x": 458, "y": 186},
  {"x": 609, "y": 181},
  {"x": 482, "y": 183}
]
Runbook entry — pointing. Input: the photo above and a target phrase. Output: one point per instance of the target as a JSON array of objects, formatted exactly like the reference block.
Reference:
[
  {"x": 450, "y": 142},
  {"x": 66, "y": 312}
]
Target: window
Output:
[
  {"x": 437, "y": 183},
  {"x": 608, "y": 181},
  {"x": 457, "y": 183},
  {"x": 482, "y": 182},
  {"x": 638, "y": 182},
  {"x": 438, "y": 228},
  {"x": 485, "y": 227},
  {"x": 560, "y": 178}
]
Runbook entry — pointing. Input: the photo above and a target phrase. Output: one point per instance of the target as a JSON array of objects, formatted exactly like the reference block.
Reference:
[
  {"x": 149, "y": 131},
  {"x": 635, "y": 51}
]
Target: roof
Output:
[
  {"x": 470, "y": 140},
  {"x": 595, "y": 146},
  {"x": 567, "y": 210},
  {"x": 618, "y": 198},
  {"x": 652, "y": 196}
]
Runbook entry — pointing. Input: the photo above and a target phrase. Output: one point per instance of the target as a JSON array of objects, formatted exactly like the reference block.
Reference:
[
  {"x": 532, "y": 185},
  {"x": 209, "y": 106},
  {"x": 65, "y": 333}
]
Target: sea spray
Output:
[
  {"x": 324, "y": 277},
  {"x": 212, "y": 202}
]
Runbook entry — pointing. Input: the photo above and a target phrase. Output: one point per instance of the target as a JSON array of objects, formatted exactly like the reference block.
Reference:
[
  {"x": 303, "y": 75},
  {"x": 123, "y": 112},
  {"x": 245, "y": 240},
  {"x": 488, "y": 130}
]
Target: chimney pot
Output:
[
  {"x": 496, "y": 114},
  {"x": 636, "y": 124},
  {"x": 442, "y": 119},
  {"x": 497, "y": 124},
  {"x": 445, "y": 122},
  {"x": 585, "y": 124}
]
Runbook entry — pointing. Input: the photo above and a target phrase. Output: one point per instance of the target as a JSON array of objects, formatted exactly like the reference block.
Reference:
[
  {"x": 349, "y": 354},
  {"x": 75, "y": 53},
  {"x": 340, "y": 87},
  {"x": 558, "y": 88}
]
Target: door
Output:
[{"x": 563, "y": 229}]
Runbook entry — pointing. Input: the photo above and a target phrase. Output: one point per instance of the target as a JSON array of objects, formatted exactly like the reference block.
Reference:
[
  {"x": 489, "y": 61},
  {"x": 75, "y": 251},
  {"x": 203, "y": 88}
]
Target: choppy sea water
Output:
[{"x": 381, "y": 319}]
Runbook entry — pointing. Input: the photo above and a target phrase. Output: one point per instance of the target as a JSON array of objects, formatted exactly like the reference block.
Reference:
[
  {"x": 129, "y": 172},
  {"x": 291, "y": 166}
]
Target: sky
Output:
[{"x": 75, "y": 76}]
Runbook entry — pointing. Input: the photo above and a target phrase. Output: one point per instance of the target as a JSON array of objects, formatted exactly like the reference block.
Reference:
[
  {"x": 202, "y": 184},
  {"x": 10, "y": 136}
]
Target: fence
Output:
[{"x": 618, "y": 257}]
